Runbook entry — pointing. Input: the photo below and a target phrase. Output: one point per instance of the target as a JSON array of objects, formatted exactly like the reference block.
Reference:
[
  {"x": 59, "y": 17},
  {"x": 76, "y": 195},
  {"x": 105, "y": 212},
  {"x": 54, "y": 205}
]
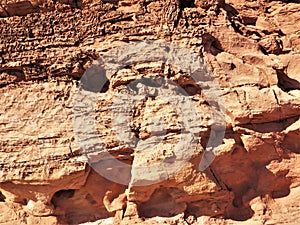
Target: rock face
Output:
[{"x": 251, "y": 47}]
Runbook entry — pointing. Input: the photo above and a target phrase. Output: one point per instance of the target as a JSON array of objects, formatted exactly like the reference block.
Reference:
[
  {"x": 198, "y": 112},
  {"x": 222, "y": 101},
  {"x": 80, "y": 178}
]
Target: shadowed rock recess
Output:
[{"x": 252, "y": 47}]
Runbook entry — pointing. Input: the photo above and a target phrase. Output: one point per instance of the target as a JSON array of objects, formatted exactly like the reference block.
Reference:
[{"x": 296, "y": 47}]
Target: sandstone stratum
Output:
[{"x": 252, "y": 48}]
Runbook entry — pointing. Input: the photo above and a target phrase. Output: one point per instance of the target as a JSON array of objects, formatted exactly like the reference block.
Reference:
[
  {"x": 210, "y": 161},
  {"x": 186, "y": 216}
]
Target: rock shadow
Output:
[
  {"x": 241, "y": 176},
  {"x": 245, "y": 175},
  {"x": 76, "y": 206}
]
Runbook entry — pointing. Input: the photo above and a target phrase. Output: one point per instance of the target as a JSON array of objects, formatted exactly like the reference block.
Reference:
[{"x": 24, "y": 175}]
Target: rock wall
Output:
[{"x": 251, "y": 47}]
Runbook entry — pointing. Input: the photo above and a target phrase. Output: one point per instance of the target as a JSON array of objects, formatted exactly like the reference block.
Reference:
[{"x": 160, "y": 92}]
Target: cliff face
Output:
[{"x": 251, "y": 47}]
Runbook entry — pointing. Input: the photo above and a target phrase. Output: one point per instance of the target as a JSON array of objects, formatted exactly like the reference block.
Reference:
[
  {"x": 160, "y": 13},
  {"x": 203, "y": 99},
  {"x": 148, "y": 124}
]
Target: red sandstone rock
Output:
[{"x": 251, "y": 47}]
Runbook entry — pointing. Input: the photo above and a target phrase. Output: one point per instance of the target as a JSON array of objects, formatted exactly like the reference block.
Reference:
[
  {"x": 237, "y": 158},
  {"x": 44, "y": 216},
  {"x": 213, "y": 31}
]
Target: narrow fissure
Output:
[
  {"x": 275, "y": 95},
  {"x": 218, "y": 181},
  {"x": 2, "y": 197}
]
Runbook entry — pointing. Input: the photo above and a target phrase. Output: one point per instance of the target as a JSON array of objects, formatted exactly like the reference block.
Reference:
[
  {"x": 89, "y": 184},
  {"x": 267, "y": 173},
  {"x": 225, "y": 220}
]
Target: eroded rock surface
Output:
[{"x": 251, "y": 47}]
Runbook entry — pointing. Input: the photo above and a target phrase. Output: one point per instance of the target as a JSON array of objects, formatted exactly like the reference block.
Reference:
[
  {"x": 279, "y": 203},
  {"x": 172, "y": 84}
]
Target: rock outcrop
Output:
[{"x": 251, "y": 47}]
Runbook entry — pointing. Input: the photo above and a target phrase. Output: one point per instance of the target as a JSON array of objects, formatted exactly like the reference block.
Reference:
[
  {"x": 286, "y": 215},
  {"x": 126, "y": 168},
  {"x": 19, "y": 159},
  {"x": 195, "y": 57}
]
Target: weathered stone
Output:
[{"x": 252, "y": 49}]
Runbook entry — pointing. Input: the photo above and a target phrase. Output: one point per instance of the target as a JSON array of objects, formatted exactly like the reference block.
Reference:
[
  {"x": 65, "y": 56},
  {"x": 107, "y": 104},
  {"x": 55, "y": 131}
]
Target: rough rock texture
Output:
[{"x": 252, "y": 48}]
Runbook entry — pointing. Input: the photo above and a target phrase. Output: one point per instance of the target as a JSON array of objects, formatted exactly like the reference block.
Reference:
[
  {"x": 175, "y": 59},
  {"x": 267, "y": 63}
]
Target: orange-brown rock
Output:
[{"x": 251, "y": 47}]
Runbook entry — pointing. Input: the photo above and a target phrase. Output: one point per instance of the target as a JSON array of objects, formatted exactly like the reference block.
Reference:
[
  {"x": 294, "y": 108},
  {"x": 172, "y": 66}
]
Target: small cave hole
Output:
[
  {"x": 95, "y": 80},
  {"x": 211, "y": 44},
  {"x": 187, "y": 4},
  {"x": 191, "y": 89},
  {"x": 62, "y": 194}
]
